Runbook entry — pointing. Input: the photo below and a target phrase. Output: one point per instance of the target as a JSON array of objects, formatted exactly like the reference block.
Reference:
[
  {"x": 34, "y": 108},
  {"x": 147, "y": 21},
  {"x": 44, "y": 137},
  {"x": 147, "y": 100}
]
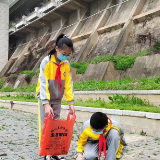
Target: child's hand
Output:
[
  {"x": 71, "y": 109},
  {"x": 48, "y": 109},
  {"x": 80, "y": 157}
]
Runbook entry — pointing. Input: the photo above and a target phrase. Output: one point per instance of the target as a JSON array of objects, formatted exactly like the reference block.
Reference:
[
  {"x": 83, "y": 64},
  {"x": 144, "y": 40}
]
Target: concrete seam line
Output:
[
  {"x": 143, "y": 92},
  {"x": 27, "y": 103}
]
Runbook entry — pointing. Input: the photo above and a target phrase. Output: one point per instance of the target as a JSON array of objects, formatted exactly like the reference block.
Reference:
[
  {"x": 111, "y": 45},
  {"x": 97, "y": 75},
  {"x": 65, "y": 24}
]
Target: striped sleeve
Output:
[{"x": 44, "y": 86}]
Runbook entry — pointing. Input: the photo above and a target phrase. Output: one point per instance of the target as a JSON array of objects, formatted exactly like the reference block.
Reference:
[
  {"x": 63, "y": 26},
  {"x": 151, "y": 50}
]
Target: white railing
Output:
[
  {"x": 39, "y": 12},
  {"x": 22, "y": 22}
]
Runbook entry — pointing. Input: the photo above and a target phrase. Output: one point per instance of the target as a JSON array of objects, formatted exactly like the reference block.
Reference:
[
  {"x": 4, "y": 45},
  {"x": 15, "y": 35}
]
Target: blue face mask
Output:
[
  {"x": 97, "y": 132},
  {"x": 62, "y": 57}
]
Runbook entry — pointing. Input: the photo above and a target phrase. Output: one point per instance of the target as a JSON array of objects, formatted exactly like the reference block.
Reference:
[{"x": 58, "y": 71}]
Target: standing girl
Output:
[{"x": 55, "y": 80}]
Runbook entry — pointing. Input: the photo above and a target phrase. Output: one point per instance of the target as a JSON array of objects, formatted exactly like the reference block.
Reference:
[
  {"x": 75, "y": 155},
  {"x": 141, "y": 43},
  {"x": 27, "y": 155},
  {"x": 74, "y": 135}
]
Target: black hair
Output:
[
  {"x": 61, "y": 40},
  {"x": 98, "y": 120}
]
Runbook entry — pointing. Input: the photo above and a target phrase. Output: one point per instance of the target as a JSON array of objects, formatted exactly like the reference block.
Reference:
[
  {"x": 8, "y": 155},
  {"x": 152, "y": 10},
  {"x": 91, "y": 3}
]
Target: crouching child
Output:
[{"x": 98, "y": 134}]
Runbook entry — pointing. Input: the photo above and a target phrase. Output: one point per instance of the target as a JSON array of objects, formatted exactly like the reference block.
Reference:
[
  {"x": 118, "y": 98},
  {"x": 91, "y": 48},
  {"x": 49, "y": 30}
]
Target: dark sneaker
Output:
[
  {"x": 57, "y": 158},
  {"x": 53, "y": 158},
  {"x": 47, "y": 158}
]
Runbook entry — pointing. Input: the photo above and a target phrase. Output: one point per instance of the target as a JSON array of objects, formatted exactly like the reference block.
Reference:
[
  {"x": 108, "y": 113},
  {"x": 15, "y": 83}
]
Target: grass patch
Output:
[
  {"x": 121, "y": 62},
  {"x": 30, "y": 88},
  {"x": 22, "y": 157},
  {"x": 24, "y": 98},
  {"x": 10, "y": 142},
  {"x": 12, "y": 75},
  {"x": 3, "y": 108},
  {"x": 74, "y": 132},
  {"x": 81, "y": 67},
  {"x": 119, "y": 99},
  {"x": 1, "y": 83},
  {"x": 143, "y": 133},
  {"x": 141, "y": 153},
  {"x": 128, "y": 105},
  {"x": 7, "y": 89},
  {"x": 124, "y": 84},
  {"x": 123, "y": 106},
  {"x": 127, "y": 150},
  {"x": 157, "y": 139},
  {"x": 31, "y": 73},
  {"x": 92, "y": 85}
]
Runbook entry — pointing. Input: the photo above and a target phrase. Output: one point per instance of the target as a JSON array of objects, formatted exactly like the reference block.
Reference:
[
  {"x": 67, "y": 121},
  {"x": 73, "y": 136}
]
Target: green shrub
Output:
[
  {"x": 31, "y": 73},
  {"x": 119, "y": 99},
  {"x": 121, "y": 62},
  {"x": 81, "y": 67},
  {"x": 12, "y": 75}
]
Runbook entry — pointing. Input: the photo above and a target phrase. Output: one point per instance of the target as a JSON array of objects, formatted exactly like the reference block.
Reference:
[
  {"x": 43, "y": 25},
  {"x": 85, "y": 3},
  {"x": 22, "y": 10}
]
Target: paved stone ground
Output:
[{"x": 19, "y": 139}]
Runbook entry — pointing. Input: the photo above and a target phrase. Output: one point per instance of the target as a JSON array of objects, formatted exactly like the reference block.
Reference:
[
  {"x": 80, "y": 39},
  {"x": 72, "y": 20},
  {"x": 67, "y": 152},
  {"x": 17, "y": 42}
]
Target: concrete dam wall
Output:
[{"x": 97, "y": 28}]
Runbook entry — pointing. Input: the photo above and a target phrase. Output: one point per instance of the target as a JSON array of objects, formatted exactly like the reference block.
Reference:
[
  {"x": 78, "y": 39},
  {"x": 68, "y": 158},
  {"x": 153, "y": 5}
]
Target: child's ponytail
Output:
[{"x": 61, "y": 40}]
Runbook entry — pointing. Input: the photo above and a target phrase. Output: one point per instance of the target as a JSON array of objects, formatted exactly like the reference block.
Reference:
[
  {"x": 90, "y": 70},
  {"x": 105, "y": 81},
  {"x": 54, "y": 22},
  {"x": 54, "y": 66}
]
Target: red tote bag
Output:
[{"x": 56, "y": 136}]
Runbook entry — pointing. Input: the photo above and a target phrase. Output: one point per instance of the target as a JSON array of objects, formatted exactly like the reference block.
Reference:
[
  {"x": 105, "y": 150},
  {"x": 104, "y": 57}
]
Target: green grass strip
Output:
[{"x": 91, "y": 103}]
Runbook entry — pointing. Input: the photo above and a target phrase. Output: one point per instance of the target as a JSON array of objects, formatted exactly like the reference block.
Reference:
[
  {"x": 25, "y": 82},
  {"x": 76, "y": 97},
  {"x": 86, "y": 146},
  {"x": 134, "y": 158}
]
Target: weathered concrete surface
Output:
[
  {"x": 19, "y": 139},
  {"x": 6, "y": 67},
  {"x": 104, "y": 44},
  {"x": 4, "y": 20},
  {"x": 22, "y": 80},
  {"x": 121, "y": 12},
  {"x": 150, "y": 5},
  {"x": 95, "y": 71},
  {"x": 78, "y": 47},
  {"x": 103, "y": 16},
  {"x": 80, "y": 16},
  {"x": 10, "y": 81},
  {"x": 34, "y": 79},
  {"x": 103, "y": 71},
  {"x": 147, "y": 15},
  {"x": 73, "y": 18},
  {"x": 73, "y": 71},
  {"x": 77, "y": 78},
  {"x": 113, "y": 74},
  {"x": 20, "y": 59},
  {"x": 145, "y": 67},
  {"x": 139, "y": 38},
  {"x": 42, "y": 38}
]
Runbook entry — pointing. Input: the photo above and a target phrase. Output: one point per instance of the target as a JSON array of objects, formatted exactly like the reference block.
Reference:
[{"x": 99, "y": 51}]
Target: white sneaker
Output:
[{"x": 47, "y": 158}]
